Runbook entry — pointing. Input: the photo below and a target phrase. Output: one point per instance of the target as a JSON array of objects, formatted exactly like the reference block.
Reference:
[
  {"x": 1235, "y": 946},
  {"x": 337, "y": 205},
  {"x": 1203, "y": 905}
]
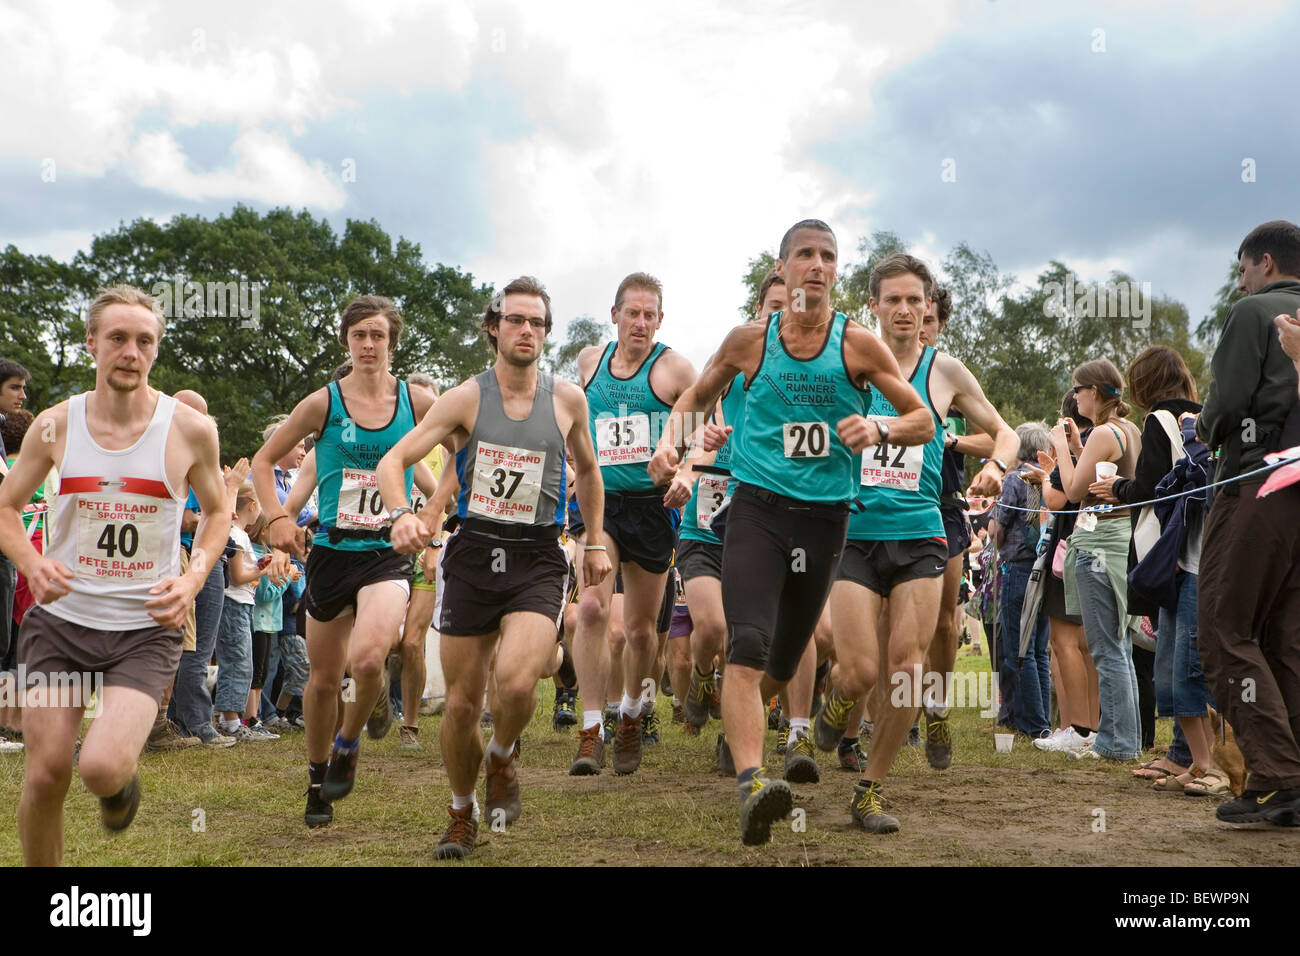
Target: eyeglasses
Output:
[
  {"x": 1079, "y": 388},
  {"x": 518, "y": 320}
]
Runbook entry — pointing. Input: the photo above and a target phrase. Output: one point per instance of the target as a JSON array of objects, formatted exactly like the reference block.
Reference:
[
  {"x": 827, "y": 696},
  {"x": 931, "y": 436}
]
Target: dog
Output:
[{"x": 1227, "y": 755}]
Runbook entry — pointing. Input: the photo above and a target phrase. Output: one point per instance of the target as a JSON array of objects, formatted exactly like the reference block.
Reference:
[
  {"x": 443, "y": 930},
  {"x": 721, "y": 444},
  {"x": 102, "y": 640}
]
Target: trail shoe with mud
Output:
[
  {"x": 851, "y": 756},
  {"x": 341, "y": 773},
  {"x": 723, "y": 762},
  {"x": 762, "y": 802},
  {"x": 938, "y": 741},
  {"x": 318, "y": 812},
  {"x": 591, "y": 753},
  {"x": 502, "y": 789},
  {"x": 565, "y": 714},
  {"x": 801, "y": 760},
  {"x": 627, "y": 745},
  {"x": 829, "y": 724},
  {"x": 461, "y": 836},
  {"x": 865, "y": 808},
  {"x": 649, "y": 725},
  {"x": 380, "y": 720},
  {"x": 699, "y": 697},
  {"x": 118, "y": 811}
]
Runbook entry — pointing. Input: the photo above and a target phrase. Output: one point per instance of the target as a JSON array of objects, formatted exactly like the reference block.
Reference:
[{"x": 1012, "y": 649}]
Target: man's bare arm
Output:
[{"x": 35, "y": 459}]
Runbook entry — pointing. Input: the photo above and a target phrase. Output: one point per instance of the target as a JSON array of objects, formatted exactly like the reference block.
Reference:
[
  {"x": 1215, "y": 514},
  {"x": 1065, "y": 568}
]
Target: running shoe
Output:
[
  {"x": 611, "y": 723},
  {"x": 677, "y": 711},
  {"x": 627, "y": 745},
  {"x": 1279, "y": 807},
  {"x": 801, "y": 761},
  {"x": 13, "y": 746},
  {"x": 591, "y": 753},
  {"x": 865, "y": 808},
  {"x": 341, "y": 774},
  {"x": 167, "y": 736},
  {"x": 1052, "y": 741},
  {"x": 485, "y": 720},
  {"x": 261, "y": 731},
  {"x": 247, "y": 735},
  {"x": 649, "y": 725},
  {"x": 565, "y": 714},
  {"x": 783, "y": 737},
  {"x": 851, "y": 757},
  {"x": 938, "y": 741},
  {"x": 1071, "y": 742},
  {"x": 381, "y": 718},
  {"x": 830, "y": 723},
  {"x": 762, "y": 802},
  {"x": 723, "y": 762},
  {"x": 774, "y": 714},
  {"x": 865, "y": 728},
  {"x": 502, "y": 790},
  {"x": 715, "y": 701},
  {"x": 914, "y": 735},
  {"x": 219, "y": 741},
  {"x": 318, "y": 812},
  {"x": 408, "y": 738},
  {"x": 699, "y": 698},
  {"x": 118, "y": 811},
  {"x": 460, "y": 837}
]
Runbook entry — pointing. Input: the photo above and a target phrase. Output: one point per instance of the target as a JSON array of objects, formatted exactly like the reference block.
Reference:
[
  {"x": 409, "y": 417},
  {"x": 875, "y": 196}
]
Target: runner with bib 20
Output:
[
  {"x": 808, "y": 373},
  {"x": 897, "y": 550}
]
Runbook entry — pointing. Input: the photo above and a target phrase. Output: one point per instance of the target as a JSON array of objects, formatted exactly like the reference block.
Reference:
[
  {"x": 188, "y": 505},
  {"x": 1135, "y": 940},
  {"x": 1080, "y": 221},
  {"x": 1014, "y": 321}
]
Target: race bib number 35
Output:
[
  {"x": 892, "y": 466},
  {"x": 806, "y": 439},
  {"x": 360, "y": 508},
  {"x": 507, "y": 483},
  {"x": 119, "y": 538},
  {"x": 712, "y": 496},
  {"x": 623, "y": 441}
]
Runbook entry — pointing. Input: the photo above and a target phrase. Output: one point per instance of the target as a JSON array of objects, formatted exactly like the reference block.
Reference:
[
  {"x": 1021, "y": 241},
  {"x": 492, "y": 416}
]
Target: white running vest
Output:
[{"x": 116, "y": 524}]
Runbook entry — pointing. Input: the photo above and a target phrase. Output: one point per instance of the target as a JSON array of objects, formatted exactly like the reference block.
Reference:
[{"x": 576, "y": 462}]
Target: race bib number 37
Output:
[
  {"x": 892, "y": 466},
  {"x": 360, "y": 507},
  {"x": 119, "y": 538},
  {"x": 623, "y": 441},
  {"x": 507, "y": 483},
  {"x": 806, "y": 439}
]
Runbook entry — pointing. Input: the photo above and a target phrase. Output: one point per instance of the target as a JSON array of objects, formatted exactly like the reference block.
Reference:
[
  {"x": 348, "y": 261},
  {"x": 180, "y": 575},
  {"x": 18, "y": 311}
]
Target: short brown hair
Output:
[
  {"x": 899, "y": 264},
  {"x": 524, "y": 285},
  {"x": 1104, "y": 376},
  {"x": 942, "y": 305},
  {"x": 783, "y": 251},
  {"x": 366, "y": 306},
  {"x": 1280, "y": 239},
  {"x": 1159, "y": 373},
  {"x": 122, "y": 295},
  {"x": 14, "y": 428},
  {"x": 772, "y": 278},
  {"x": 639, "y": 280}
]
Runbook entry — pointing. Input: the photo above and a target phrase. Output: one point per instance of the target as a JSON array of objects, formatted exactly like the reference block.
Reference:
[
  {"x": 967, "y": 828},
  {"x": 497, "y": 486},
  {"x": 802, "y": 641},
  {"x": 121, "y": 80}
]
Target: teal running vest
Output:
[
  {"x": 789, "y": 445},
  {"x": 626, "y": 419},
  {"x": 346, "y": 456},
  {"x": 714, "y": 488},
  {"x": 901, "y": 485}
]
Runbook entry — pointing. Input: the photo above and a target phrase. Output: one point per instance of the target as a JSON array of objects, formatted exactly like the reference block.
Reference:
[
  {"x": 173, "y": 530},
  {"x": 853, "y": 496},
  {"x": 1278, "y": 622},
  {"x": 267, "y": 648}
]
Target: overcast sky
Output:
[{"x": 580, "y": 141}]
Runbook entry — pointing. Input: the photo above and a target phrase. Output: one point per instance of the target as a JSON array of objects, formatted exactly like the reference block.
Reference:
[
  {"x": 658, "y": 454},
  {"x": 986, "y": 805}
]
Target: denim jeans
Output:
[
  {"x": 191, "y": 705},
  {"x": 266, "y": 710},
  {"x": 234, "y": 657},
  {"x": 1030, "y": 679},
  {"x": 1179, "y": 752},
  {"x": 1119, "y": 735}
]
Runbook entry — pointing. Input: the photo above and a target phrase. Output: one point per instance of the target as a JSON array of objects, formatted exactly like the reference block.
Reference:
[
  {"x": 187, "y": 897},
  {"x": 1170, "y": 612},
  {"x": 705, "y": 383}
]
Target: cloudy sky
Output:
[{"x": 582, "y": 141}]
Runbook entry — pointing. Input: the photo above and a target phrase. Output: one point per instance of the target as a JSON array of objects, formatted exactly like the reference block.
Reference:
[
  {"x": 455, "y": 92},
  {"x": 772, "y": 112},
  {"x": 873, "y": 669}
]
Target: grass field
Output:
[{"x": 1026, "y": 807}]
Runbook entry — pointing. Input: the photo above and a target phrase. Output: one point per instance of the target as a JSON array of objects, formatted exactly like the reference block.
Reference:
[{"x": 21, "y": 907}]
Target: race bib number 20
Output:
[{"x": 806, "y": 439}]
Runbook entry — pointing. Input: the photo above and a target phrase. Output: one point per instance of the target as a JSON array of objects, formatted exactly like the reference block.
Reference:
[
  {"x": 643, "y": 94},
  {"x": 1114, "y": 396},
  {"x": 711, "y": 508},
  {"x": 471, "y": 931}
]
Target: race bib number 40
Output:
[
  {"x": 712, "y": 496},
  {"x": 360, "y": 508},
  {"x": 623, "y": 441},
  {"x": 507, "y": 483},
  {"x": 892, "y": 466},
  {"x": 119, "y": 538},
  {"x": 806, "y": 439}
]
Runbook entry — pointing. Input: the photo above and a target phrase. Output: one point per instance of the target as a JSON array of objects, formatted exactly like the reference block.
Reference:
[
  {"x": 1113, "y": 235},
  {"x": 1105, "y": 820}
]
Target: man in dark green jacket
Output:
[{"x": 1249, "y": 580}]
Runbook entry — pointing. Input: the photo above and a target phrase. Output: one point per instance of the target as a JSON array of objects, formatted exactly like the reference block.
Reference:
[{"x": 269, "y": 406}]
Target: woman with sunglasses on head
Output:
[{"x": 1096, "y": 562}]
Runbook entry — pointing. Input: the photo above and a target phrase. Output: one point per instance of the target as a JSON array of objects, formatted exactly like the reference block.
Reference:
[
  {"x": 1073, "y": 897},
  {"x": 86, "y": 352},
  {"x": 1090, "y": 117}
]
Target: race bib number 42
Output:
[
  {"x": 623, "y": 441},
  {"x": 892, "y": 466},
  {"x": 360, "y": 508},
  {"x": 119, "y": 538},
  {"x": 507, "y": 483},
  {"x": 806, "y": 439}
]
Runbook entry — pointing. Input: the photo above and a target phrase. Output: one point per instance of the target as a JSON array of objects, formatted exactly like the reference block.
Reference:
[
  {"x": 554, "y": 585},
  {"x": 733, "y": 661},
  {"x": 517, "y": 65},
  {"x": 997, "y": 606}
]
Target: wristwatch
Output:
[
  {"x": 999, "y": 462},
  {"x": 397, "y": 513},
  {"x": 884, "y": 432}
]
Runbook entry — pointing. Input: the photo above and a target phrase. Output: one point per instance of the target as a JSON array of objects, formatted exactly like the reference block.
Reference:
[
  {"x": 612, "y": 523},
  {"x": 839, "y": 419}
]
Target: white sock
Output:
[
  {"x": 799, "y": 727},
  {"x": 229, "y": 726},
  {"x": 631, "y": 706},
  {"x": 460, "y": 803},
  {"x": 591, "y": 718},
  {"x": 499, "y": 750},
  {"x": 676, "y": 702}
]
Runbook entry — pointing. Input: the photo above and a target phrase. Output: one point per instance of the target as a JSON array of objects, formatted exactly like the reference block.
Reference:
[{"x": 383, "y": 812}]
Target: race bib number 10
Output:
[
  {"x": 806, "y": 439},
  {"x": 119, "y": 538},
  {"x": 360, "y": 507},
  {"x": 623, "y": 441},
  {"x": 892, "y": 466}
]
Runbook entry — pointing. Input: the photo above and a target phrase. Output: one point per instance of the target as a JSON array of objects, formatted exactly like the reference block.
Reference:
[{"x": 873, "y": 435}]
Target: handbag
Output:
[
  {"x": 1058, "y": 558},
  {"x": 1147, "y": 531}
]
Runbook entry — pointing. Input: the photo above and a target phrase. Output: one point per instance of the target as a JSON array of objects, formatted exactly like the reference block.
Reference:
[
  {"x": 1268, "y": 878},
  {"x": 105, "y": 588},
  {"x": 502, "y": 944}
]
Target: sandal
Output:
[
  {"x": 1212, "y": 783},
  {"x": 1150, "y": 770},
  {"x": 1176, "y": 783}
]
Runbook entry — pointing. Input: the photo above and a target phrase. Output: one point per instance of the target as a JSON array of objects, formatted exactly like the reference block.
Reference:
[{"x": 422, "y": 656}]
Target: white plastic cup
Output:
[
  {"x": 1106, "y": 469},
  {"x": 1003, "y": 742}
]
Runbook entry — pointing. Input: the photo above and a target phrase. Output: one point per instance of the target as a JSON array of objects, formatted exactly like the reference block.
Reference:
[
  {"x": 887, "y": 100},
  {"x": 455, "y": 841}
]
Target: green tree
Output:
[
  {"x": 1207, "y": 331},
  {"x": 583, "y": 331},
  {"x": 755, "y": 272}
]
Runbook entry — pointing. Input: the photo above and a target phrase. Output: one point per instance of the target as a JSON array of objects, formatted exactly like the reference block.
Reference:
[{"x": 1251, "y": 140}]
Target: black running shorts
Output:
[
  {"x": 883, "y": 565},
  {"x": 779, "y": 561},
  {"x": 642, "y": 528},
  {"x": 486, "y": 578},
  {"x": 956, "y": 529},
  {"x": 698, "y": 559},
  {"x": 335, "y": 576}
]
